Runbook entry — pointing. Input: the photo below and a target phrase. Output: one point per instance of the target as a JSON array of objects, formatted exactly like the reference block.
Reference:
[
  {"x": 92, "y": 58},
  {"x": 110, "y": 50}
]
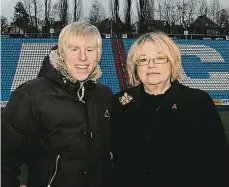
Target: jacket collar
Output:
[
  {"x": 170, "y": 98},
  {"x": 56, "y": 71}
]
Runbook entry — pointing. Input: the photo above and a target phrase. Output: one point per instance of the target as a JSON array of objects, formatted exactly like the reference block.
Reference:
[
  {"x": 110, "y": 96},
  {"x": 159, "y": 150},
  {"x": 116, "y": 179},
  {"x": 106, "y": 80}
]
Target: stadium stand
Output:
[
  {"x": 109, "y": 76},
  {"x": 120, "y": 62},
  {"x": 205, "y": 64},
  {"x": 22, "y": 59}
]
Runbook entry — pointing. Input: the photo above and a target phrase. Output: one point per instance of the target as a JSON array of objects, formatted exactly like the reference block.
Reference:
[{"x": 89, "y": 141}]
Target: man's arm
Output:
[{"x": 17, "y": 131}]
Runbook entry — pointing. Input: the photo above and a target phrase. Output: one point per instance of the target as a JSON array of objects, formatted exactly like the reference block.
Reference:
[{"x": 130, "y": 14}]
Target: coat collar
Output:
[
  {"x": 169, "y": 100},
  {"x": 56, "y": 72}
]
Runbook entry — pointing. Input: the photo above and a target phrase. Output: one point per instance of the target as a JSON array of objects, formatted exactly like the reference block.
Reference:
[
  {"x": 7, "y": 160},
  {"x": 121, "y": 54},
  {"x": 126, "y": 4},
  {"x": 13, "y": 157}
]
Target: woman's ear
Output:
[{"x": 136, "y": 73}]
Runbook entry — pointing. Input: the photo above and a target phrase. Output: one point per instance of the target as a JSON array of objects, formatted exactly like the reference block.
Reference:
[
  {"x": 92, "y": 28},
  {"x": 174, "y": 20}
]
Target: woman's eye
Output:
[
  {"x": 160, "y": 58},
  {"x": 143, "y": 60}
]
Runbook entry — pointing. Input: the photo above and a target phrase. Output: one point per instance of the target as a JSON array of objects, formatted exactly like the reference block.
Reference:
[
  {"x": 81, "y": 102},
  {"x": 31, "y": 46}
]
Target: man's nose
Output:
[{"x": 82, "y": 56}]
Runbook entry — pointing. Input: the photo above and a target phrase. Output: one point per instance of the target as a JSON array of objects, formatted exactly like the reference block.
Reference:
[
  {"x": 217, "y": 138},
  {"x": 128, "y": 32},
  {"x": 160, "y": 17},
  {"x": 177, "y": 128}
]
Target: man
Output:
[{"x": 58, "y": 124}]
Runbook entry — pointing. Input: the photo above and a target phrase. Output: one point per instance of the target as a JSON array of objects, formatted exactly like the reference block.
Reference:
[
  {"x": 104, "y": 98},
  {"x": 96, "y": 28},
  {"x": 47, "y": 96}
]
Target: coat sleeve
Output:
[
  {"x": 113, "y": 126},
  {"x": 46, "y": 64},
  {"x": 216, "y": 143},
  {"x": 17, "y": 132}
]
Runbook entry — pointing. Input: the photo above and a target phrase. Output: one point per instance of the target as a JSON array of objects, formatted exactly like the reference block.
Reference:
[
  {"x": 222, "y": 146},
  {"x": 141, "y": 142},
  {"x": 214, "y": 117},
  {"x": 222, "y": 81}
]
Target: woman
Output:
[
  {"x": 162, "y": 132},
  {"x": 57, "y": 124}
]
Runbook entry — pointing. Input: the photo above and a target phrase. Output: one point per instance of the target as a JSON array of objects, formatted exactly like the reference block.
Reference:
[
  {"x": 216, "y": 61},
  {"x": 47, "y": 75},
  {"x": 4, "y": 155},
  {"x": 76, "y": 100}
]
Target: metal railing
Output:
[{"x": 119, "y": 35}]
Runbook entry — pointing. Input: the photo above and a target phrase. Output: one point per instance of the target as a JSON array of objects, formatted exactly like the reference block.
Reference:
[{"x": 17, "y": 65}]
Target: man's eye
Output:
[
  {"x": 89, "y": 50},
  {"x": 74, "y": 49}
]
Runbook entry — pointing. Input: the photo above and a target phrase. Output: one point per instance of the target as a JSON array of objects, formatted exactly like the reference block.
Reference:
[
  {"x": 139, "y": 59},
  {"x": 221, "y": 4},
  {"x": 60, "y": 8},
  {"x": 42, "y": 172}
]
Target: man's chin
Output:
[{"x": 81, "y": 78}]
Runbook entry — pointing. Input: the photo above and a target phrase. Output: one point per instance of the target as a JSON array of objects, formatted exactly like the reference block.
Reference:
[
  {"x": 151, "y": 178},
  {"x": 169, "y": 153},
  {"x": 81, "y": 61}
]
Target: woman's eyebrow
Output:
[{"x": 142, "y": 55}]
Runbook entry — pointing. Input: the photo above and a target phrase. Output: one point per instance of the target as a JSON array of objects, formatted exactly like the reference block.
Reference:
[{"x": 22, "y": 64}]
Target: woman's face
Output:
[{"x": 153, "y": 65}]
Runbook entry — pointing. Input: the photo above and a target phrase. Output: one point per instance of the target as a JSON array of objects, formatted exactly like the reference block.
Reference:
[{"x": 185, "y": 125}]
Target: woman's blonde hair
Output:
[
  {"x": 165, "y": 45},
  {"x": 78, "y": 29}
]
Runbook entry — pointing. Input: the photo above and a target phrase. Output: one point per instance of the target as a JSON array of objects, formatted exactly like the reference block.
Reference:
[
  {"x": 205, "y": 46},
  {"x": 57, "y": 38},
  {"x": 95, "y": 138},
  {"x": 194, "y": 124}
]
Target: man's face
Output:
[{"x": 82, "y": 57}]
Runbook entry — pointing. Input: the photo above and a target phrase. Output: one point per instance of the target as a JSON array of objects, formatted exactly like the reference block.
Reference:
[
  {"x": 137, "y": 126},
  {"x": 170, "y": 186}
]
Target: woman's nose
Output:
[{"x": 151, "y": 63}]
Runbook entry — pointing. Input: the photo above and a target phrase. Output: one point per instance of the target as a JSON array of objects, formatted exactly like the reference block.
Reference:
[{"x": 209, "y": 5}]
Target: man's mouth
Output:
[{"x": 82, "y": 66}]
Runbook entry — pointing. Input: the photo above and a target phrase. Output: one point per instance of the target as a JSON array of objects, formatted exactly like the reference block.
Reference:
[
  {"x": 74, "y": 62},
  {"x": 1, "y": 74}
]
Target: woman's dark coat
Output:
[{"x": 175, "y": 139}]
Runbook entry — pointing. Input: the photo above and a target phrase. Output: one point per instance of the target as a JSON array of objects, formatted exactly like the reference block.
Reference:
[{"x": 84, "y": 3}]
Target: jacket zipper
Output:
[{"x": 50, "y": 181}]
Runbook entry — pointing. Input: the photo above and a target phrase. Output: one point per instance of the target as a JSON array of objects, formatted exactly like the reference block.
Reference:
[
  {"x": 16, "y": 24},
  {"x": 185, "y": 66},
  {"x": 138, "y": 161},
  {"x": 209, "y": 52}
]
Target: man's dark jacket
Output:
[
  {"x": 63, "y": 141},
  {"x": 45, "y": 64},
  {"x": 172, "y": 139}
]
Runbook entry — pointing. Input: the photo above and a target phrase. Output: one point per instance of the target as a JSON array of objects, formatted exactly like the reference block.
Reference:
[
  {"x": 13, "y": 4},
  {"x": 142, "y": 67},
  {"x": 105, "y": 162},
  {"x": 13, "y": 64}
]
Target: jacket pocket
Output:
[{"x": 61, "y": 141}]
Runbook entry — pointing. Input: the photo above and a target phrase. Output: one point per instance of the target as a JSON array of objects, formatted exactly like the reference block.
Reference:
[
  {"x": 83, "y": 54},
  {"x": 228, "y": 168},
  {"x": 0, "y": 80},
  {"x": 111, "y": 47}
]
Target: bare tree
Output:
[
  {"x": 35, "y": 12},
  {"x": 63, "y": 14},
  {"x": 178, "y": 11},
  {"x": 174, "y": 13},
  {"x": 145, "y": 10},
  {"x": 116, "y": 9},
  {"x": 20, "y": 17},
  {"x": 111, "y": 9},
  {"x": 202, "y": 8},
  {"x": 78, "y": 10},
  {"x": 167, "y": 7},
  {"x": 33, "y": 8},
  {"x": 213, "y": 9},
  {"x": 55, "y": 11},
  {"x": 140, "y": 10},
  {"x": 4, "y": 24},
  {"x": 97, "y": 13},
  {"x": 128, "y": 4},
  {"x": 28, "y": 8},
  {"x": 159, "y": 9},
  {"x": 223, "y": 19},
  {"x": 47, "y": 14},
  {"x": 150, "y": 9},
  {"x": 182, "y": 12},
  {"x": 191, "y": 10}
]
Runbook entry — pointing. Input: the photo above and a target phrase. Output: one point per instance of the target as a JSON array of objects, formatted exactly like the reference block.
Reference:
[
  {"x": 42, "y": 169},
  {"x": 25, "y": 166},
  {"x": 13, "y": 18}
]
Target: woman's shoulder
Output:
[
  {"x": 129, "y": 91},
  {"x": 195, "y": 94},
  {"x": 126, "y": 96}
]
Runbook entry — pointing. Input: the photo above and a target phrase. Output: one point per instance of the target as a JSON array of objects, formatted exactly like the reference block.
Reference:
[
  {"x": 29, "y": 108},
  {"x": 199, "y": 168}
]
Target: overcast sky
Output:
[{"x": 7, "y": 6}]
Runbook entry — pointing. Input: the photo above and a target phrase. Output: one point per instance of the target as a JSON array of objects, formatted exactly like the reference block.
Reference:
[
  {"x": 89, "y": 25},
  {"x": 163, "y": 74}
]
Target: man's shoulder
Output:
[
  {"x": 34, "y": 86},
  {"x": 103, "y": 86},
  {"x": 105, "y": 89}
]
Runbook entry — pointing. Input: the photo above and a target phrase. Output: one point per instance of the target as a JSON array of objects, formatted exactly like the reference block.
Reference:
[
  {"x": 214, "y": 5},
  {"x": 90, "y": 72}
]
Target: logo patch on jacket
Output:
[{"x": 107, "y": 114}]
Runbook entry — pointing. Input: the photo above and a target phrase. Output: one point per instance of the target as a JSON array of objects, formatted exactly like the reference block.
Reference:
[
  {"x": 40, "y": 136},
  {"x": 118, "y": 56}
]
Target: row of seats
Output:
[
  {"x": 22, "y": 59},
  {"x": 205, "y": 65}
]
